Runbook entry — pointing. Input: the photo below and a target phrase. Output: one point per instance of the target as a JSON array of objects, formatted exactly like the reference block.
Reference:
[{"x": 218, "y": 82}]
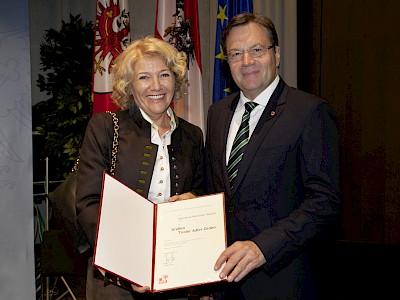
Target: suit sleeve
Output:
[
  {"x": 199, "y": 165},
  {"x": 94, "y": 159},
  {"x": 192, "y": 171}
]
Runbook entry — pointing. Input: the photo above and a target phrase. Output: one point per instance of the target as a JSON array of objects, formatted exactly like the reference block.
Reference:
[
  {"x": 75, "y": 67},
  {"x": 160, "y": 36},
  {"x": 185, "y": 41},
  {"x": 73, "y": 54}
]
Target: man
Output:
[{"x": 283, "y": 193}]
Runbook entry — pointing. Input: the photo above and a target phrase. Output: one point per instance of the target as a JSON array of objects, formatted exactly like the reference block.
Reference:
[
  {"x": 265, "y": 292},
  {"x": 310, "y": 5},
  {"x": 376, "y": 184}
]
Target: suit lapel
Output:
[
  {"x": 231, "y": 107},
  {"x": 268, "y": 118}
]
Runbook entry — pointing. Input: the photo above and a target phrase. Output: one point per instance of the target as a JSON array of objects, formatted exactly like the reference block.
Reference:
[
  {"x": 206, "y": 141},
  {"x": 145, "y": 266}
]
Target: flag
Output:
[
  {"x": 111, "y": 36},
  {"x": 223, "y": 84},
  {"x": 177, "y": 21}
]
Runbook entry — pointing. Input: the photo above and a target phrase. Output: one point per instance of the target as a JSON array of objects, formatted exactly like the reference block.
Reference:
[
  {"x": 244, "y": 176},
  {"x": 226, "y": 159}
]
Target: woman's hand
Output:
[
  {"x": 184, "y": 196},
  {"x": 140, "y": 289}
]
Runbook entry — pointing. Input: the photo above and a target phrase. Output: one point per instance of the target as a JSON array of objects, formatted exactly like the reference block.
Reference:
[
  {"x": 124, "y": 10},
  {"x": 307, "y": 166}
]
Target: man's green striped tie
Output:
[{"x": 241, "y": 140}]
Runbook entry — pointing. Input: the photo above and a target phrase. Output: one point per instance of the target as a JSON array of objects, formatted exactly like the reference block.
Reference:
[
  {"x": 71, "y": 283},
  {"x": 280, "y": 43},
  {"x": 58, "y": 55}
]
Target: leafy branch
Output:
[{"x": 66, "y": 58}]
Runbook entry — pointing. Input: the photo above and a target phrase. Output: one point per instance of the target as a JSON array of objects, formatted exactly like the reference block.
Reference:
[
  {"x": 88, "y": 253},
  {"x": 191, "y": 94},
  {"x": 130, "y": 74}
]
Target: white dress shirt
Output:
[
  {"x": 262, "y": 101},
  {"x": 160, "y": 186}
]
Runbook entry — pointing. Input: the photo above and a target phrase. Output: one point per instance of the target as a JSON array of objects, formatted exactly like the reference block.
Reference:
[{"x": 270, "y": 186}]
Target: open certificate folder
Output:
[{"x": 163, "y": 246}]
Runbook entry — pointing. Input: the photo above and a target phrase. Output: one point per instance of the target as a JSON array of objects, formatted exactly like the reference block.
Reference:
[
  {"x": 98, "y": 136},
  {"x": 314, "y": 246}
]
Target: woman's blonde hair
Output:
[{"x": 124, "y": 67}]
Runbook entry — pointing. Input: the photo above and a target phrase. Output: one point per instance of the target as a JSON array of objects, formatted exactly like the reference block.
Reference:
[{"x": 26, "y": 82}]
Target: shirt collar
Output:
[
  {"x": 170, "y": 114},
  {"x": 263, "y": 98}
]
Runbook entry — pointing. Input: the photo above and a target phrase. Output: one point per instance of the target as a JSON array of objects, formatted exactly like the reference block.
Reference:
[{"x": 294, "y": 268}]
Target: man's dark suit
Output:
[{"x": 287, "y": 192}]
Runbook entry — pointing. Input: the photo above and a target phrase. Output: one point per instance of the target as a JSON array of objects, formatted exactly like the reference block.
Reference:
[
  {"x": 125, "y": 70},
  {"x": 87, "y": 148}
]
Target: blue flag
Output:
[{"x": 223, "y": 84}]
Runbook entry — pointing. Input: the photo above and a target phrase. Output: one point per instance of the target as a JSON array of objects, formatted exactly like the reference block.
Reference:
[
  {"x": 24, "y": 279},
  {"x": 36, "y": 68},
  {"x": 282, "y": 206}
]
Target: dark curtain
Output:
[{"x": 349, "y": 54}]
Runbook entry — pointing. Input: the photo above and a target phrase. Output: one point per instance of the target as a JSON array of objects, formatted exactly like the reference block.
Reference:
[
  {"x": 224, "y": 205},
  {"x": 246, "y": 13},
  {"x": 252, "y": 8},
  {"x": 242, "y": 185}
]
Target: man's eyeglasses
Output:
[{"x": 256, "y": 51}]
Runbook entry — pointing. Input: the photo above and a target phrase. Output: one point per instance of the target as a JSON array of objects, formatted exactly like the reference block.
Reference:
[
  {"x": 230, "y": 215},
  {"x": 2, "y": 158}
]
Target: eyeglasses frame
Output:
[{"x": 242, "y": 52}]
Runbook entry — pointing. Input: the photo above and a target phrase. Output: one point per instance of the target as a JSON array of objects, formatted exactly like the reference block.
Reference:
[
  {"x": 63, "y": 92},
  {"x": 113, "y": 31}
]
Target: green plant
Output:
[{"x": 66, "y": 58}]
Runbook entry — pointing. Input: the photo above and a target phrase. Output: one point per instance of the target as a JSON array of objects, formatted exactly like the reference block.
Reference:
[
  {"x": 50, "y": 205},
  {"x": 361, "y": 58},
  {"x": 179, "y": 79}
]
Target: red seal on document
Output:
[{"x": 163, "y": 279}]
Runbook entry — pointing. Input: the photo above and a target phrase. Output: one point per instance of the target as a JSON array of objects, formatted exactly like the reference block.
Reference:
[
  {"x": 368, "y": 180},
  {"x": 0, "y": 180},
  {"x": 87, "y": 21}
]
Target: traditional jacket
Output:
[{"x": 135, "y": 160}]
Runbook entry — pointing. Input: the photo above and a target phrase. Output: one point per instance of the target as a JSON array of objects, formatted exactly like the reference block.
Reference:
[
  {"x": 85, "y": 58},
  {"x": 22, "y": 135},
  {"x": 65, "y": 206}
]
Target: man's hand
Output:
[
  {"x": 184, "y": 196},
  {"x": 241, "y": 258}
]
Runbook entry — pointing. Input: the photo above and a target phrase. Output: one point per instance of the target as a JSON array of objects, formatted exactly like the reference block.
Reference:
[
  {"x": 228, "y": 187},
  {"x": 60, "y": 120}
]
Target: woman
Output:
[{"x": 159, "y": 155}]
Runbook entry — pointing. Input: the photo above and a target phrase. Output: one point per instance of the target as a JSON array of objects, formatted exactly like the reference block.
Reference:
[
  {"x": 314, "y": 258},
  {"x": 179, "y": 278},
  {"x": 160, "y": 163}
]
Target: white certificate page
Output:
[
  {"x": 163, "y": 246},
  {"x": 124, "y": 244},
  {"x": 190, "y": 237}
]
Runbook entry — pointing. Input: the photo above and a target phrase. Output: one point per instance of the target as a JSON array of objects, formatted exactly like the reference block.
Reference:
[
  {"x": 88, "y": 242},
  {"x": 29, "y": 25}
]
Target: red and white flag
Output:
[
  {"x": 112, "y": 35},
  {"x": 177, "y": 21}
]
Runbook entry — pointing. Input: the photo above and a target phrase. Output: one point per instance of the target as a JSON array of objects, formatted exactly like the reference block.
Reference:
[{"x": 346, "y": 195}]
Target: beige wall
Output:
[{"x": 45, "y": 14}]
